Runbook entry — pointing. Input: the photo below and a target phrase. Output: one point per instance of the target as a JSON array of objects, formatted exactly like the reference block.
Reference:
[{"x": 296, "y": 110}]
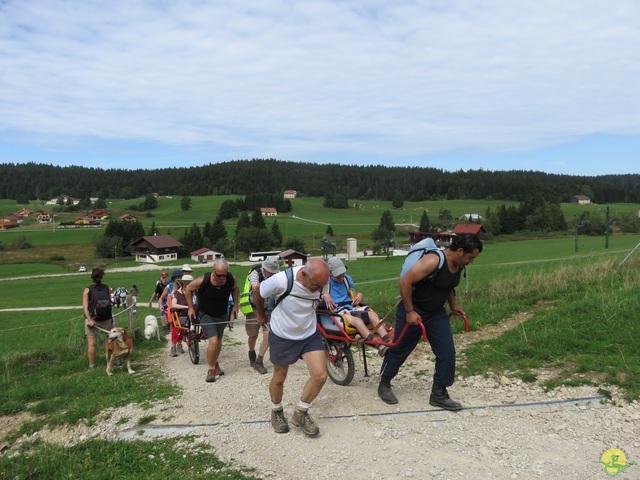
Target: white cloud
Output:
[{"x": 297, "y": 79}]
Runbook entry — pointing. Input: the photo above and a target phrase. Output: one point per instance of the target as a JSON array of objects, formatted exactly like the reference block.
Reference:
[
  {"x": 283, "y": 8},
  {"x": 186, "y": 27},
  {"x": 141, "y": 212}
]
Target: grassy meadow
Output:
[{"x": 581, "y": 326}]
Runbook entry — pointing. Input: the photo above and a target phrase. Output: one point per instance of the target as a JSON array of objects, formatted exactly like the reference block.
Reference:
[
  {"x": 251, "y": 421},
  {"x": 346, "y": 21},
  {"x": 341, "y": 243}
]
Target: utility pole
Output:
[{"x": 606, "y": 229}]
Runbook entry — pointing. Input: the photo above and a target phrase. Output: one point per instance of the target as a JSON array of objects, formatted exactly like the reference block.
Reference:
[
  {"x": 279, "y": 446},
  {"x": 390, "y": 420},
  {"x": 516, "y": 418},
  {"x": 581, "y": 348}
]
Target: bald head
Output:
[{"x": 317, "y": 271}]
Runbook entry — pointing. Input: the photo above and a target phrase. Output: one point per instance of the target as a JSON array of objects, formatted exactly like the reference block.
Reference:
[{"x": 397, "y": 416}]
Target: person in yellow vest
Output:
[{"x": 254, "y": 324}]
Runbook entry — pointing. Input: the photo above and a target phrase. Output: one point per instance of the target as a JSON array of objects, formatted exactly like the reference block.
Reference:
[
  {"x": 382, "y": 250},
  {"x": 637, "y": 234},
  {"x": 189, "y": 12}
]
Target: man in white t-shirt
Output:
[{"x": 293, "y": 335}]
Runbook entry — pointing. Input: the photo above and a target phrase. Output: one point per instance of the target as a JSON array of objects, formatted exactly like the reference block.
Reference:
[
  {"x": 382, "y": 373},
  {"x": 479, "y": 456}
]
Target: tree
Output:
[
  {"x": 384, "y": 234},
  {"x": 425, "y": 223},
  {"x": 192, "y": 238},
  {"x": 296, "y": 244},
  {"x": 218, "y": 231},
  {"x": 185, "y": 204},
  {"x": 150, "y": 202},
  {"x": 386, "y": 221},
  {"x": 329, "y": 231},
  {"x": 329, "y": 200},
  {"x": 243, "y": 222},
  {"x": 100, "y": 203},
  {"x": 153, "y": 230},
  {"x": 398, "y": 201},
  {"x": 277, "y": 234},
  {"x": 341, "y": 201},
  {"x": 228, "y": 209},
  {"x": 257, "y": 220},
  {"x": 251, "y": 239}
]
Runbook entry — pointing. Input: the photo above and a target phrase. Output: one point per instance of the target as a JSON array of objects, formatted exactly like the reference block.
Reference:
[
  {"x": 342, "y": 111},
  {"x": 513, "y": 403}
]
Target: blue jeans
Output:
[{"x": 440, "y": 338}]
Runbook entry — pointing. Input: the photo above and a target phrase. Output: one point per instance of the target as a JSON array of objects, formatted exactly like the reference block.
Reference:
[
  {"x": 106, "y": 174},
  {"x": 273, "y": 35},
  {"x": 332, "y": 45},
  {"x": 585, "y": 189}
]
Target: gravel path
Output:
[{"x": 507, "y": 430}]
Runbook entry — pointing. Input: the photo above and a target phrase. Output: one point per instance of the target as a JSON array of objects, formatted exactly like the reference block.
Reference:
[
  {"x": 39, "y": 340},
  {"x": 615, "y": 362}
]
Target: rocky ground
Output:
[{"x": 507, "y": 430}]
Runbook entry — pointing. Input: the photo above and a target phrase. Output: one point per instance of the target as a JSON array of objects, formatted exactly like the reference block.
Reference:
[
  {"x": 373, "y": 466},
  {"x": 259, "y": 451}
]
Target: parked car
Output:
[{"x": 82, "y": 268}]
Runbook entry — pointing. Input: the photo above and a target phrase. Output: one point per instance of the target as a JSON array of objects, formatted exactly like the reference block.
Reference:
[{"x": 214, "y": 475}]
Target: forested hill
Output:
[{"x": 241, "y": 177}]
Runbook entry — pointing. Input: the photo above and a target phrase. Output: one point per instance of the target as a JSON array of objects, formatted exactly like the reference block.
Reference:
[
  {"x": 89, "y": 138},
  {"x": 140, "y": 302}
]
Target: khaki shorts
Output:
[
  {"x": 251, "y": 326},
  {"x": 104, "y": 324}
]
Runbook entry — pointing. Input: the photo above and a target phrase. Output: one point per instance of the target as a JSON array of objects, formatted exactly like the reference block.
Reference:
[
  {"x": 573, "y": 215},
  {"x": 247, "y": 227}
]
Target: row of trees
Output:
[{"x": 245, "y": 177}]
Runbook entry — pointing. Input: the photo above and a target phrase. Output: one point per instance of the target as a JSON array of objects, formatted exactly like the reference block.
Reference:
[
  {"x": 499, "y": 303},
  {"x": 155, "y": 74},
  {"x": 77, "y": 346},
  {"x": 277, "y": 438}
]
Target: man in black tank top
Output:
[
  {"x": 213, "y": 290},
  {"x": 423, "y": 299}
]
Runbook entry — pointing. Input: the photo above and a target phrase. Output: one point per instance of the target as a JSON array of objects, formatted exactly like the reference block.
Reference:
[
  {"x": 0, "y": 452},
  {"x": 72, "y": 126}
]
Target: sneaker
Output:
[
  {"x": 279, "y": 421},
  {"x": 179, "y": 348},
  {"x": 252, "y": 358},
  {"x": 92, "y": 366},
  {"x": 219, "y": 370},
  {"x": 119, "y": 362},
  {"x": 211, "y": 375},
  {"x": 383, "y": 350},
  {"x": 302, "y": 419},
  {"x": 173, "y": 352},
  {"x": 260, "y": 368}
]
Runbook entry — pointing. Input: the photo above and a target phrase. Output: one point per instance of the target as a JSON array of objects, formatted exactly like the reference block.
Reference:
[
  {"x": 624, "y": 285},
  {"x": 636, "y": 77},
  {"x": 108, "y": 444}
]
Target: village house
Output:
[
  {"x": 204, "y": 255},
  {"x": 580, "y": 200},
  {"x": 156, "y": 248},
  {"x": 290, "y": 194},
  {"x": 66, "y": 199},
  {"x": 127, "y": 217},
  {"x": 268, "y": 212},
  {"x": 45, "y": 216},
  {"x": 98, "y": 214}
]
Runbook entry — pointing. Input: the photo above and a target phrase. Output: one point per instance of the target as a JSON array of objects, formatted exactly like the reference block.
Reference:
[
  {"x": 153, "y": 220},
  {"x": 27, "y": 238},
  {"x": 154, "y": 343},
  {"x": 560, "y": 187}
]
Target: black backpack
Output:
[{"x": 100, "y": 302}]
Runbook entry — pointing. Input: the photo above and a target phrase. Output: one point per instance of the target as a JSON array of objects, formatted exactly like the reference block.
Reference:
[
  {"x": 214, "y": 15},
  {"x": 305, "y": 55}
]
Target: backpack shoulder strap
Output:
[{"x": 289, "y": 273}]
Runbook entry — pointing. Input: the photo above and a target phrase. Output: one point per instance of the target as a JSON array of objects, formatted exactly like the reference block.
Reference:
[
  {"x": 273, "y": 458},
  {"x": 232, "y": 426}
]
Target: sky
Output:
[{"x": 543, "y": 85}]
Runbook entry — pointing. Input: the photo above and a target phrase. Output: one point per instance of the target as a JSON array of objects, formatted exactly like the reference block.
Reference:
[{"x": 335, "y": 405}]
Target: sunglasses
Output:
[{"x": 224, "y": 275}]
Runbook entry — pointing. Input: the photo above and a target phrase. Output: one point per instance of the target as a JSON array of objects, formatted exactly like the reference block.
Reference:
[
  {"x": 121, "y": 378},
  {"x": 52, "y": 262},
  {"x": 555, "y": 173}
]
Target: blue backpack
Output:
[{"x": 419, "y": 250}]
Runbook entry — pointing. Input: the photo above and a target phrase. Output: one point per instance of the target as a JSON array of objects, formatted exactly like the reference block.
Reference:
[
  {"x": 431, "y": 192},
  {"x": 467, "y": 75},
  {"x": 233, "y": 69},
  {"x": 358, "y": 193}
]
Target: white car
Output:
[{"x": 82, "y": 268}]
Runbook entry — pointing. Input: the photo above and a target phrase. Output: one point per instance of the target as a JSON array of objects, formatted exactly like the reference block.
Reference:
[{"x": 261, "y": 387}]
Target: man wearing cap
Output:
[
  {"x": 248, "y": 300},
  {"x": 160, "y": 285},
  {"x": 213, "y": 290}
]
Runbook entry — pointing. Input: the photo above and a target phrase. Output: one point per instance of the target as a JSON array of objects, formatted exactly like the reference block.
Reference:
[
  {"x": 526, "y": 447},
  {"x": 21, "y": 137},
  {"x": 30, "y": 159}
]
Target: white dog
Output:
[{"x": 151, "y": 327}]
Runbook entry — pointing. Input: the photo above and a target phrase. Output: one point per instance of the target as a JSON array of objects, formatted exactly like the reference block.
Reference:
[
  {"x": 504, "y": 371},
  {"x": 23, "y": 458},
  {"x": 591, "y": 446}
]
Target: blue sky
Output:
[{"x": 534, "y": 85}]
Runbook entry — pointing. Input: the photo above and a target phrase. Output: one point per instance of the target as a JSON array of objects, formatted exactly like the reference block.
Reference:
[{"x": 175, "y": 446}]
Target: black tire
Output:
[
  {"x": 194, "y": 348},
  {"x": 342, "y": 370}
]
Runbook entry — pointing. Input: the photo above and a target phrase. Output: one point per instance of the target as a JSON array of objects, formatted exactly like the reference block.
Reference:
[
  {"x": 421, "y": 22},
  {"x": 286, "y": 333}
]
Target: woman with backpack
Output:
[{"x": 96, "y": 302}]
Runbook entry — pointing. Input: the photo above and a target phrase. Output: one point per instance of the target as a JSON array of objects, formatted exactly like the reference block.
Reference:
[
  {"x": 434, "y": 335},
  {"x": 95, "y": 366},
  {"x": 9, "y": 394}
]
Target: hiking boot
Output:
[
  {"x": 219, "y": 370},
  {"x": 211, "y": 375},
  {"x": 440, "y": 398},
  {"x": 179, "y": 348},
  {"x": 252, "y": 358},
  {"x": 260, "y": 368},
  {"x": 173, "y": 352},
  {"x": 279, "y": 421},
  {"x": 385, "y": 392},
  {"x": 119, "y": 362},
  {"x": 383, "y": 350},
  {"x": 302, "y": 419}
]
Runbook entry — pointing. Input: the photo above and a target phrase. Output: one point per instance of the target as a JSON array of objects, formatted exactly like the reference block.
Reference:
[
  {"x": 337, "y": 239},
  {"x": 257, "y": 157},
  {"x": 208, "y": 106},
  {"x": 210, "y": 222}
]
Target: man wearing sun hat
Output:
[
  {"x": 248, "y": 298},
  {"x": 157, "y": 292}
]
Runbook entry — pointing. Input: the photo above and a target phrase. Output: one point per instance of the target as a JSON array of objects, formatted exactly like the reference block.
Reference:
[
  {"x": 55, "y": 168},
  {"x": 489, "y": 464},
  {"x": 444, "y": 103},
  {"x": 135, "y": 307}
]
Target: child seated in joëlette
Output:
[{"x": 338, "y": 300}]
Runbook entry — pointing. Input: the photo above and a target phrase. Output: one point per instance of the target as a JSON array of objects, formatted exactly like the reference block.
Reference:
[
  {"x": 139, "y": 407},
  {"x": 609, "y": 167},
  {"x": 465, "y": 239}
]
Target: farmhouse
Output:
[
  {"x": 580, "y": 200},
  {"x": 204, "y": 255},
  {"x": 66, "y": 200},
  {"x": 268, "y": 212},
  {"x": 470, "y": 228},
  {"x": 98, "y": 214},
  {"x": 7, "y": 223},
  {"x": 441, "y": 239},
  {"x": 156, "y": 248},
  {"x": 45, "y": 216},
  {"x": 290, "y": 194},
  {"x": 127, "y": 217}
]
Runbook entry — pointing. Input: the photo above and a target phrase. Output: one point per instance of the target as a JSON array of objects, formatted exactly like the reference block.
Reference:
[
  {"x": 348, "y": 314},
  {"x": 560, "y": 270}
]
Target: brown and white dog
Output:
[{"x": 118, "y": 344}]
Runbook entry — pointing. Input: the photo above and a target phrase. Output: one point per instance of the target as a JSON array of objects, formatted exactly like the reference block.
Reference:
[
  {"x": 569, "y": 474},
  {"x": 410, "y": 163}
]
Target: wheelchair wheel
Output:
[
  {"x": 340, "y": 364},
  {"x": 194, "y": 348}
]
